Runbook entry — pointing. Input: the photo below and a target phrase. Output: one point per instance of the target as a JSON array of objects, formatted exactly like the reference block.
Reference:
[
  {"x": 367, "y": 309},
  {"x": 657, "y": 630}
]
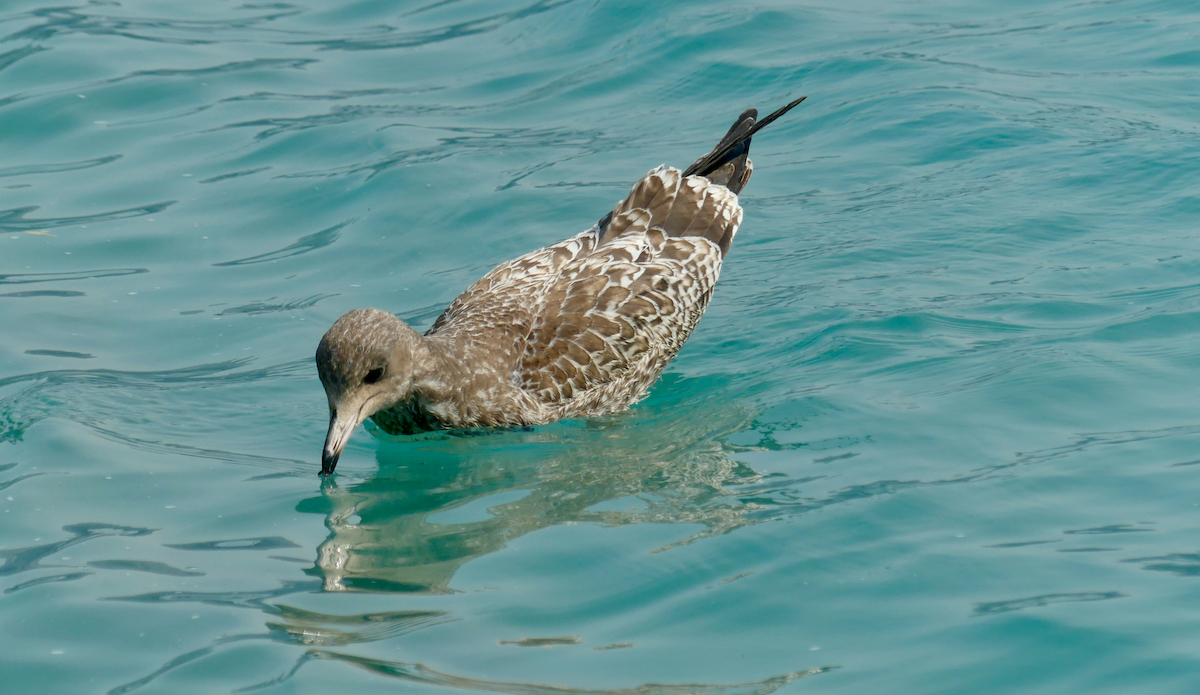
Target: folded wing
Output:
[{"x": 622, "y": 306}]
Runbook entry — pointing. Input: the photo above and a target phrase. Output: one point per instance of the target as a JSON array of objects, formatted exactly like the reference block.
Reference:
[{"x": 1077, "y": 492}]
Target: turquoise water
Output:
[{"x": 938, "y": 432}]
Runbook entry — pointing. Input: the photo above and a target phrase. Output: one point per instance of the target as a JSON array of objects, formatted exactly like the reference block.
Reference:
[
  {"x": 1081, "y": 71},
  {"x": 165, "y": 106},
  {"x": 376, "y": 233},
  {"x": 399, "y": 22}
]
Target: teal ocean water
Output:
[{"x": 938, "y": 432}]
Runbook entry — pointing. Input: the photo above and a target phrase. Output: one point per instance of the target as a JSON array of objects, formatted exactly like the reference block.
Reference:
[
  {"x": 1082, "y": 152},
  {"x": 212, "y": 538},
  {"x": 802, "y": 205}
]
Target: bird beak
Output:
[{"x": 342, "y": 422}]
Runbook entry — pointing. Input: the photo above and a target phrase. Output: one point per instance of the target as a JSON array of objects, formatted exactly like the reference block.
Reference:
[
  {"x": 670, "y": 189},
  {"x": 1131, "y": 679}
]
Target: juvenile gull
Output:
[{"x": 577, "y": 329}]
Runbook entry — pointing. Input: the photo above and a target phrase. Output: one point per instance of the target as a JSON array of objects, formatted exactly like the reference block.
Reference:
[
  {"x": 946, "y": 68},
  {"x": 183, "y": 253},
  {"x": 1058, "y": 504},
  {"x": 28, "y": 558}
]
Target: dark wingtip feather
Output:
[
  {"x": 735, "y": 145},
  {"x": 736, "y": 142}
]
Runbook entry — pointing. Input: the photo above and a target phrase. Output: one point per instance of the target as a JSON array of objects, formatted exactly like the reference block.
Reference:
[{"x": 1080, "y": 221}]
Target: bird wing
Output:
[
  {"x": 509, "y": 297},
  {"x": 628, "y": 293}
]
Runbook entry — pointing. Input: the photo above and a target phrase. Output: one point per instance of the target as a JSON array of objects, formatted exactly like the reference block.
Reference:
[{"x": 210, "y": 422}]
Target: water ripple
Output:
[
  {"x": 56, "y": 168},
  {"x": 51, "y": 579},
  {"x": 311, "y": 242},
  {"x": 307, "y": 628},
  {"x": 234, "y": 175},
  {"x": 5, "y": 484},
  {"x": 270, "y": 543},
  {"x": 44, "y": 293},
  {"x": 61, "y": 353},
  {"x": 386, "y": 37},
  {"x": 1178, "y": 564},
  {"x": 1018, "y": 604},
  {"x": 7, "y": 59},
  {"x": 148, "y": 566},
  {"x": 462, "y": 141},
  {"x": 182, "y": 660},
  {"x": 411, "y": 673},
  {"x": 19, "y": 560},
  {"x": 27, "y": 278},
  {"x": 264, "y": 307},
  {"x": 291, "y": 466},
  {"x": 14, "y": 220},
  {"x": 64, "y": 21},
  {"x": 91, "y": 397}
]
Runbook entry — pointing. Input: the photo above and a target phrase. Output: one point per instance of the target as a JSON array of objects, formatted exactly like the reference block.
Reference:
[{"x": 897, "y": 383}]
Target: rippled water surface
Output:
[{"x": 938, "y": 432}]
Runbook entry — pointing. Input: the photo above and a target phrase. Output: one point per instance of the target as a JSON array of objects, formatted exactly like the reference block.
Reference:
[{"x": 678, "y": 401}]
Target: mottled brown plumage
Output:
[{"x": 580, "y": 328}]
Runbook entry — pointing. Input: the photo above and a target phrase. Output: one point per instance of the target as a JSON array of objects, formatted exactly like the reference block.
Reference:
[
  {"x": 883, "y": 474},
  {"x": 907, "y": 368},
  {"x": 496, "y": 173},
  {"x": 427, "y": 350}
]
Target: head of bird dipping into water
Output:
[{"x": 366, "y": 365}]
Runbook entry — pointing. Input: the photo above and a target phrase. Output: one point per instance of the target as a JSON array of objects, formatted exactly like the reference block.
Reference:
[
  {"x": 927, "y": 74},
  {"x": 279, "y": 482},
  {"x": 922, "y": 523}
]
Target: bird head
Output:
[{"x": 366, "y": 365}]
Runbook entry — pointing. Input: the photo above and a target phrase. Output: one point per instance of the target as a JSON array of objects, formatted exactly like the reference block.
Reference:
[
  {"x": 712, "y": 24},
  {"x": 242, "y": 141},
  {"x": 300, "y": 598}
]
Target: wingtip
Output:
[
  {"x": 734, "y": 139},
  {"x": 776, "y": 114}
]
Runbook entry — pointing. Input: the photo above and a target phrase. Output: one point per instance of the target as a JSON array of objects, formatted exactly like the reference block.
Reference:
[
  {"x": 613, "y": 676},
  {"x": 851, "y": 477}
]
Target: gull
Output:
[{"x": 578, "y": 329}]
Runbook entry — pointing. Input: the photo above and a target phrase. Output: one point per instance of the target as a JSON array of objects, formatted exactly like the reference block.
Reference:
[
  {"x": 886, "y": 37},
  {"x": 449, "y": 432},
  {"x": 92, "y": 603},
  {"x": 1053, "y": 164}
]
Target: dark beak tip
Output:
[{"x": 328, "y": 463}]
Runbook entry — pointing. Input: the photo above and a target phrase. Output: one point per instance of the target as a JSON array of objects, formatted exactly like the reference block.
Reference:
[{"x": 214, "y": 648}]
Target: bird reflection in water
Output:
[{"x": 437, "y": 503}]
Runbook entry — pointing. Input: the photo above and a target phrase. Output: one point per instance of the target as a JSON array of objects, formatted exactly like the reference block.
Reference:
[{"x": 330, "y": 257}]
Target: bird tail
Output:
[{"x": 729, "y": 162}]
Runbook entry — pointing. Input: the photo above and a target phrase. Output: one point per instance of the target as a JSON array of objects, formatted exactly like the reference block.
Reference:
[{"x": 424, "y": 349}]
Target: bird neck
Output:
[
  {"x": 464, "y": 384},
  {"x": 439, "y": 370}
]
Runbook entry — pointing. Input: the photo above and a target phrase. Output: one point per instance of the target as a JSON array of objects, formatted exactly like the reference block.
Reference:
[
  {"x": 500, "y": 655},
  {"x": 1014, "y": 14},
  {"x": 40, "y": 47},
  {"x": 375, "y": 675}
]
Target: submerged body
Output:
[{"x": 580, "y": 328}]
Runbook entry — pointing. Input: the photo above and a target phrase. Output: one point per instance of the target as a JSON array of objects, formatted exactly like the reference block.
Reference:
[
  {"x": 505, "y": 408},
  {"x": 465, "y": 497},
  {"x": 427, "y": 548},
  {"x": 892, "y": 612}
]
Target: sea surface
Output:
[{"x": 939, "y": 431}]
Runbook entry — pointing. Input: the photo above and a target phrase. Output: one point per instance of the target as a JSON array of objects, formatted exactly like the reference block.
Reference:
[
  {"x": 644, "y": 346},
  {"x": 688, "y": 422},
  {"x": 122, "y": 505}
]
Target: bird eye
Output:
[{"x": 374, "y": 375}]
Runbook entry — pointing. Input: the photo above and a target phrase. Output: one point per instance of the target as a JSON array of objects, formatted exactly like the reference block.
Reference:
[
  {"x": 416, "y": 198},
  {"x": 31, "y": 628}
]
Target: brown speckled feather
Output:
[{"x": 591, "y": 322}]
